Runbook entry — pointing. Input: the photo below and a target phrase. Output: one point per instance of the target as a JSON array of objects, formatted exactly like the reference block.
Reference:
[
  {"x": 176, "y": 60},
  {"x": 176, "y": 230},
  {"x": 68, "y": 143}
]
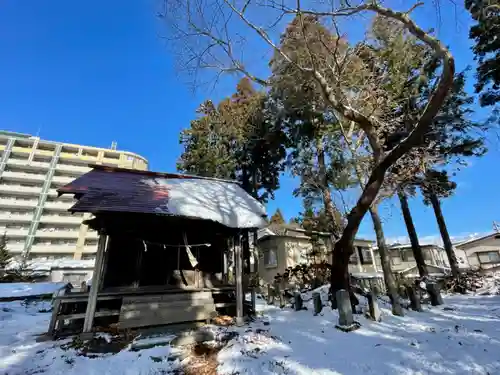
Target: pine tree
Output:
[
  {"x": 236, "y": 140},
  {"x": 485, "y": 32},
  {"x": 4, "y": 252},
  {"x": 437, "y": 185},
  {"x": 277, "y": 218}
]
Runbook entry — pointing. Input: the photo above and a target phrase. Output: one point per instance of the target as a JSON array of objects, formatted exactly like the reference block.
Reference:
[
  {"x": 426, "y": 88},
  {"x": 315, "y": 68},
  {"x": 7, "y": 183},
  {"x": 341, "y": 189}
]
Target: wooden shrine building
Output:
[{"x": 167, "y": 244}]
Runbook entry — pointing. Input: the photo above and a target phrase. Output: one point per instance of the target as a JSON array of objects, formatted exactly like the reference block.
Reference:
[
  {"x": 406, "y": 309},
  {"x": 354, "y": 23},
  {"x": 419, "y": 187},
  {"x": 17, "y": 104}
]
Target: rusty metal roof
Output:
[{"x": 107, "y": 189}]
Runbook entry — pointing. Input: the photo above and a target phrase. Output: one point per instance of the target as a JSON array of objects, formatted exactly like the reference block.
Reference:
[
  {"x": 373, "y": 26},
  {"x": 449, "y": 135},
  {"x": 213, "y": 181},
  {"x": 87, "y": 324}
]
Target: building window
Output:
[
  {"x": 395, "y": 260},
  {"x": 407, "y": 256},
  {"x": 366, "y": 255},
  {"x": 489, "y": 257},
  {"x": 74, "y": 278},
  {"x": 270, "y": 258},
  {"x": 354, "y": 258}
]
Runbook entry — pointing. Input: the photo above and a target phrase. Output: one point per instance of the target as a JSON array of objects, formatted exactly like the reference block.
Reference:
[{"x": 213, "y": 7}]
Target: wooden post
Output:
[
  {"x": 55, "y": 311},
  {"x": 253, "y": 301},
  {"x": 225, "y": 271},
  {"x": 96, "y": 282},
  {"x": 238, "y": 265},
  {"x": 138, "y": 264},
  {"x": 255, "y": 253}
]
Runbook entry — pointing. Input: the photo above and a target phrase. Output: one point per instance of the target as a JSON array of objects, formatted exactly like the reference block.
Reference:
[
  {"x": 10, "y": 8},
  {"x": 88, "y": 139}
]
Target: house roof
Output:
[
  {"x": 408, "y": 246},
  {"x": 110, "y": 189},
  {"x": 481, "y": 238},
  {"x": 292, "y": 230}
]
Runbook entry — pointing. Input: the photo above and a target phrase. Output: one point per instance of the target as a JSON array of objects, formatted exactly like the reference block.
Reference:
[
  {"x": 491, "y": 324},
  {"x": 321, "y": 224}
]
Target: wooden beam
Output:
[
  {"x": 255, "y": 253},
  {"x": 96, "y": 282},
  {"x": 238, "y": 265}
]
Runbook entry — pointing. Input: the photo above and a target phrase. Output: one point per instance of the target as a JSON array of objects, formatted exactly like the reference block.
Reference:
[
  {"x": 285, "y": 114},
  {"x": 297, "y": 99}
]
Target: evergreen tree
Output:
[
  {"x": 312, "y": 127},
  {"x": 277, "y": 218},
  {"x": 450, "y": 138},
  {"x": 236, "y": 140},
  {"x": 436, "y": 185},
  {"x": 4, "y": 252},
  {"x": 485, "y": 32}
]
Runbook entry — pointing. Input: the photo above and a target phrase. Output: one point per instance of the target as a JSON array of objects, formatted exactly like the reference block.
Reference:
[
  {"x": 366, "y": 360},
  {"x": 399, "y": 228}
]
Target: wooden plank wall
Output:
[{"x": 151, "y": 310}]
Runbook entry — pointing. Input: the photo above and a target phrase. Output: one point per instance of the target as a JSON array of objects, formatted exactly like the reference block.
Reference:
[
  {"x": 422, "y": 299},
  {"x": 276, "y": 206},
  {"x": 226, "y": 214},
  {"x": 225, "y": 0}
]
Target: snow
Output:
[
  {"x": 46, "y": 265},
  {"x": 19, "y": 290},
  {"x": 21, "y": 354},
  {"x": 460, "y": 337},
  {"x": 224, "y": 202}
]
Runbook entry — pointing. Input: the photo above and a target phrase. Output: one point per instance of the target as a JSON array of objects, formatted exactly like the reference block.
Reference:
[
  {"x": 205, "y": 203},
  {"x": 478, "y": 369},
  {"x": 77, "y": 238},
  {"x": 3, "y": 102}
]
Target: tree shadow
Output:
[{"x": 299, "y": 343}]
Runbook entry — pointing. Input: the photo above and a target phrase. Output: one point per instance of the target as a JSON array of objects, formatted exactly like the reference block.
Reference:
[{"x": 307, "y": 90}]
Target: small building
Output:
[
  {"x": 483, "y": 252},
  {"x": 287, "y": 245},
  {"x": 165, "y": 242},
  {"x": 58, "y": 270},
  {"x": 402, "y": 258}
]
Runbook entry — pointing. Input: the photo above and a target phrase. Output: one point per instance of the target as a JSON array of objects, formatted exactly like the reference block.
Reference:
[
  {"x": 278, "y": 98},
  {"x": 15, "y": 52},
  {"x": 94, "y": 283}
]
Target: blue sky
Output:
[{"x": 93, "y": 72}]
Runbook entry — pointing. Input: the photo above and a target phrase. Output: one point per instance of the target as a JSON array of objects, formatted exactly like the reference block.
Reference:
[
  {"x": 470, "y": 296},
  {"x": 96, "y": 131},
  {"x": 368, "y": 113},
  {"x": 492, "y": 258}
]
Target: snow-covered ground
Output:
[
  {"x": 20, "y": 290},
  {"x": 461, "y": 337}
]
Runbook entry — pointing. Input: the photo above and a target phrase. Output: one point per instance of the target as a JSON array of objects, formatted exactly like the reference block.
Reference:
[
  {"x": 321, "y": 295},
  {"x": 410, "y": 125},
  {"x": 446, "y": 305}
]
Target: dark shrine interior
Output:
[{"x": 146, "y": 250}]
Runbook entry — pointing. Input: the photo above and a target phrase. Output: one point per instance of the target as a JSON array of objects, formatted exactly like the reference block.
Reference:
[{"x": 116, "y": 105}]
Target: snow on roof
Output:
[
  {"x": 46, "y": 265},
  {"x": 19, "y": 290},
  {"x": 121, "y": 190},
  {"x": 475, "y": 237}
]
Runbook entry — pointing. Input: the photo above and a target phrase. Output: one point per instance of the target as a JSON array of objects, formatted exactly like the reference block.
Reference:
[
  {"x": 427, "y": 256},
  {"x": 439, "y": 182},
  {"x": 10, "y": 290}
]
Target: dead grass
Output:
[{"x": 202, "y": 361}]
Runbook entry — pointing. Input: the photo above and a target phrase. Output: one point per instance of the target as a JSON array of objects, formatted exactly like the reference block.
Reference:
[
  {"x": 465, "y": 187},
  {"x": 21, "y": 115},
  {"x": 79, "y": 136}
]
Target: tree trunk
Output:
[
  {"x": 390, "y": 281},
  {"x": 344, "y": 248},
  {"x": 412, "y": 233},
  {"x": 448, "y": 247},
  {"x": 325, "y": 190}
]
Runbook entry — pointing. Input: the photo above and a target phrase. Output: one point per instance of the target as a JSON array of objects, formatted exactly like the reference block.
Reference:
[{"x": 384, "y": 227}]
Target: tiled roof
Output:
[{"x": 106, "y": 189}]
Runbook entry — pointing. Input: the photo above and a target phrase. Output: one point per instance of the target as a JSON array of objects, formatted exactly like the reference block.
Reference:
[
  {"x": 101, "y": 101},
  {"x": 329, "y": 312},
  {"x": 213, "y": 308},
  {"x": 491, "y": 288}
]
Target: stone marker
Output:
[
  {"x": 373, "y": 308},
  {"x": 281, "y": 296},
  {"x": 434, "y": 294},
  {"x": 344, "y": 306},
  {"x": 297, "y": 301},
  {"x": 270, "y": 295},
  {"x": 253, "y": 300},
  {"x": 318, "y": 305},
  {"x": 414, "y": 299}
]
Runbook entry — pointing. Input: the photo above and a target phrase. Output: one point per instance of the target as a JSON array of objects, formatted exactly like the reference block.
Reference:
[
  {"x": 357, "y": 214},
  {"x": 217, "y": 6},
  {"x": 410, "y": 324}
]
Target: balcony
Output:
[
  {"x": 90, "y": 249},
  {"x": 73, "y": 169},
  {"x": 57, "y": 205},
  {"x": 20, "y": 190},
  {"x": 15, "y": 247},
  {"x": 16, "y": 218},
  {"x": 25, "y": 164},
  {"x": 73, "y": 156},
  {"x": 60, "y": 233},
  {"x": 18, "y": 203},
  {"x": 21, "y": 176},
  {"x": 62, "y": 180},
  {"x": 15, "y": 232},
  {"x": 45, "y": 248},
  {"x": 92, "y": 234},
  {"x": 56, "y": 219},
  {"x": 65, "y": 197}
]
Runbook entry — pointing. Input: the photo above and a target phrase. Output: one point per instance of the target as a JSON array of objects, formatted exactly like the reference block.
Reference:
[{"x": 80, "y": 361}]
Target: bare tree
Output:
[{"x": 210, "y": 37}]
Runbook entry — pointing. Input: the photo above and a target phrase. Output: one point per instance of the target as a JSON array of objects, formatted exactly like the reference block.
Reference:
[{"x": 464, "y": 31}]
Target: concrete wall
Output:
[
  {"x": 72, "y": 275},
  {"x": 267, "y": 273}
]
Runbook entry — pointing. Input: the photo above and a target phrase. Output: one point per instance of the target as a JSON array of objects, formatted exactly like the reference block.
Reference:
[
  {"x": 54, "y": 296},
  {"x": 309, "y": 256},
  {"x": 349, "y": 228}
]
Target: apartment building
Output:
[{"x": 36, "y": 221}]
